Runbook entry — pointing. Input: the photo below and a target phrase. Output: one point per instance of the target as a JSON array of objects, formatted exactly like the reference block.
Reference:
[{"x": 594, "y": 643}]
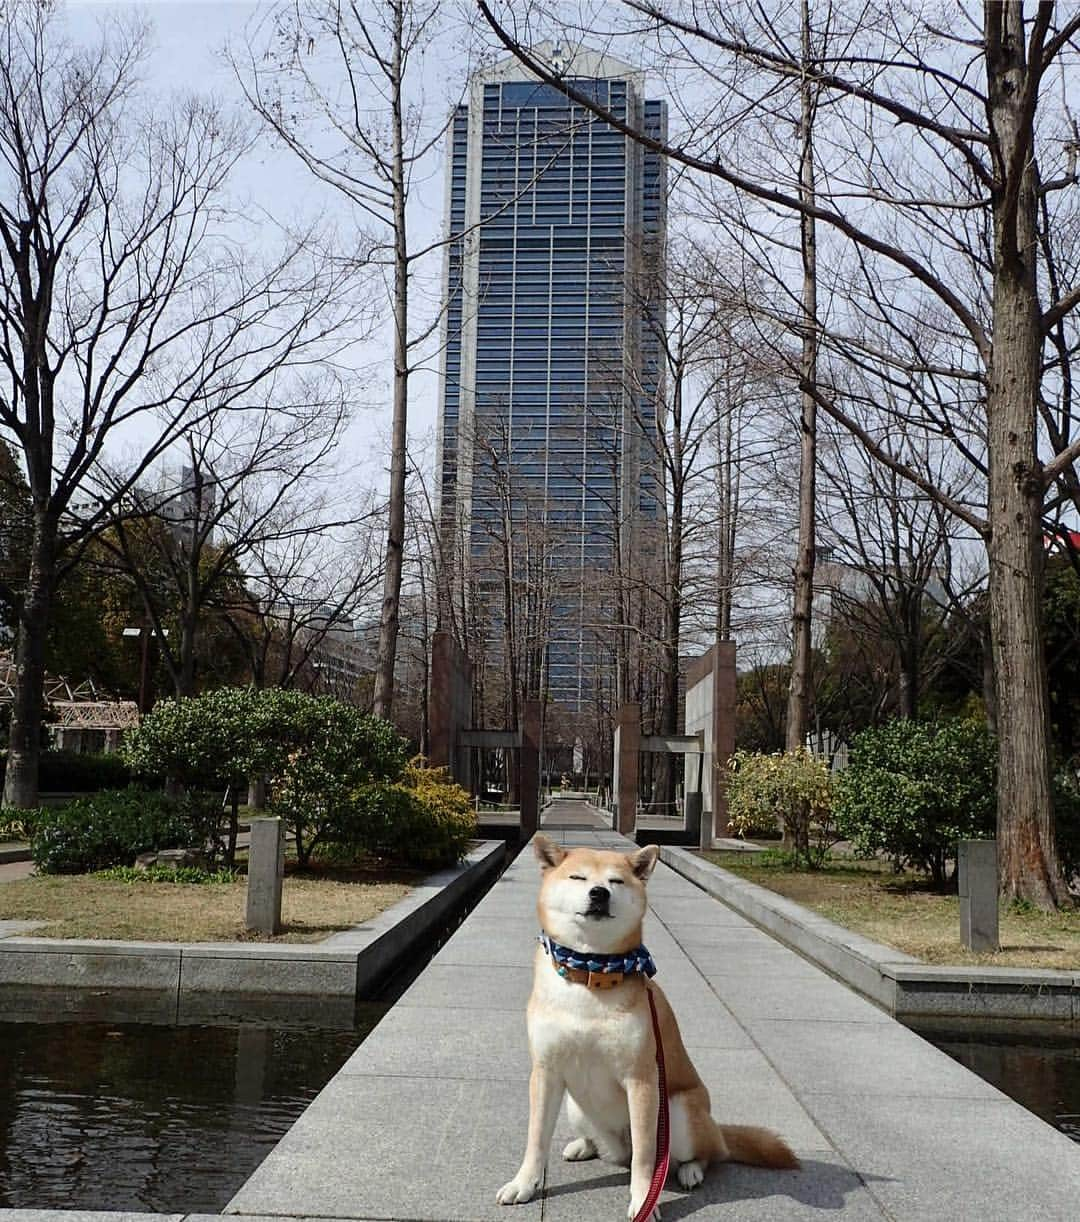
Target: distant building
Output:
[
  {"x": 188, "y": 501},
  {"x": 550, "y": 377},
  {"x": 327, "y": 649},
  {"x": 837, "y": 582},
  {"x": 1062, "y": 542}
]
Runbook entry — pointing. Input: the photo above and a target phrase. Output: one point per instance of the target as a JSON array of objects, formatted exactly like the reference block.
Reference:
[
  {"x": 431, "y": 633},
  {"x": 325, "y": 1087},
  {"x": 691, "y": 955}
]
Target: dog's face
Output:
[{"x": 592, "y": 900}]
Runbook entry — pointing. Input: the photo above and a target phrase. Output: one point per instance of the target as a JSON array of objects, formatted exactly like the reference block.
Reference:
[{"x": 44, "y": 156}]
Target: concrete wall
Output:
[
  {"x": 699, "y": 720},
  {"x": 238, "y": 976}
]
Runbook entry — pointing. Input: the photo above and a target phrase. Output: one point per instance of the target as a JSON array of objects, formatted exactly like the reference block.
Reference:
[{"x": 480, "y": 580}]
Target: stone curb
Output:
[
  {"x": 11, "y": 852},
  {"x": 342, "y": 966},
  {"x": 900, "y": 984}
]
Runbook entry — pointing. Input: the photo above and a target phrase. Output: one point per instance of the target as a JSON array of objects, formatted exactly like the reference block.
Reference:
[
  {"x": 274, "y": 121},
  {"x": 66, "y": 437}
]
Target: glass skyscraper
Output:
[{"x": 550, "y": 367}]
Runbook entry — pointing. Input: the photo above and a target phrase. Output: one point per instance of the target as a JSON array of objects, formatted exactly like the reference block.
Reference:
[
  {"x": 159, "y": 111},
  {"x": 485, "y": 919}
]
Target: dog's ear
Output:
[
  {"x": 643, "y": 861},
  {"x": 547, "y": 852}
]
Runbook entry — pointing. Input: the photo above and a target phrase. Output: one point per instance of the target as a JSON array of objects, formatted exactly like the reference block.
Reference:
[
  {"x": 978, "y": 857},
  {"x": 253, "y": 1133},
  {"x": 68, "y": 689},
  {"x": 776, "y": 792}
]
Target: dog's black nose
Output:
[{"x": 599, "y": 895}]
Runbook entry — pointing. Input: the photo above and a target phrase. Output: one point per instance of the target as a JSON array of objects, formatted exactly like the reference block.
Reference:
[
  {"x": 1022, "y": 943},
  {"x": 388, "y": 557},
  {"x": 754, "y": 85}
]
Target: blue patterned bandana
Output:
[{"x": 634, "y": 962}]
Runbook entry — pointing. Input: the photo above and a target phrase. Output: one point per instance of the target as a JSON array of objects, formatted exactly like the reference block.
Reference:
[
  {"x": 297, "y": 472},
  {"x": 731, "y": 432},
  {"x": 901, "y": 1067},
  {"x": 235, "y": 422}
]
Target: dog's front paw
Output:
[
  {"x": 518, "y": 1191},
  {"x": 632, "y": 1212}
]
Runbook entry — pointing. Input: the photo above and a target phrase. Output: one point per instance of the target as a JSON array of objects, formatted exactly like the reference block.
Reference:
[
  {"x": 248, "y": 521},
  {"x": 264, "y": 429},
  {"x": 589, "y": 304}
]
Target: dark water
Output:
[
  {"x": 101, "y": 1115},
  {"x": 101, "y": 1112},
  {"x": 1038, "y": 1067}
]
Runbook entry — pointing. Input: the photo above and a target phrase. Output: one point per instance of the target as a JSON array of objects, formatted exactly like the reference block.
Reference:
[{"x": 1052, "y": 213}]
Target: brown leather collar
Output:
[{"x": 593, "y": 980}]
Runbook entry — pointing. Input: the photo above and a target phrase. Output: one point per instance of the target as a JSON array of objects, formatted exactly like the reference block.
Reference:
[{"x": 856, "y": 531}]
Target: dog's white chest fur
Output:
[{"x": 591, "y": 1039}]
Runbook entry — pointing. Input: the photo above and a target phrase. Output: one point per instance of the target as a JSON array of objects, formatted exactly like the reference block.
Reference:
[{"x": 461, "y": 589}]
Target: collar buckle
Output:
[{"x": 604, "y": 980}]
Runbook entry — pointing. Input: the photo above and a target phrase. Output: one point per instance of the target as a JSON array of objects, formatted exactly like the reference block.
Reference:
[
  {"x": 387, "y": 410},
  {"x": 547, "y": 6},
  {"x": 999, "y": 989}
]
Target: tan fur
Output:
[{"x": 598, "y": 1045}]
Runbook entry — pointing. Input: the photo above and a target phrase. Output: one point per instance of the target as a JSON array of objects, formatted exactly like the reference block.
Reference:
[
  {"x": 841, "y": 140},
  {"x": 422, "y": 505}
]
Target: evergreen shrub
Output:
[
  {"x": 425, "y": 819},
  {"x": 113, "y": 827},
  {"x": 791, "y": 790},
  {"x": 912, "y": 789}
]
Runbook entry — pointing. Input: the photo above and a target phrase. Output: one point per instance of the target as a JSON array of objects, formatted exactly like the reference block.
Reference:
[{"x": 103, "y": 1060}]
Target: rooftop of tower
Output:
[{"x": 564, "y": 59}]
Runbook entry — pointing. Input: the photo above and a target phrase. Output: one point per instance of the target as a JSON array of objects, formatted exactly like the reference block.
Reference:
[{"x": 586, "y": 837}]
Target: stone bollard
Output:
[
  {"x": 977, "y": 868},
  {"x": 266, "y": 868},
  {"x": 693, "y": 818}
]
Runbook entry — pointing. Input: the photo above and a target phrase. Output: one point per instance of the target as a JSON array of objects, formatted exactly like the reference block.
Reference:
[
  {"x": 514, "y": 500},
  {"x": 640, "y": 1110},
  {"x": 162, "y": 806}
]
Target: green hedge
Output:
[
  {"x": 912, "y": 789},
  {"x": 112, "y": 827},
  {"x": 425, "y": 819},
  {"x": 72, "y": 772},
  {"x": 791, "y": 790}
]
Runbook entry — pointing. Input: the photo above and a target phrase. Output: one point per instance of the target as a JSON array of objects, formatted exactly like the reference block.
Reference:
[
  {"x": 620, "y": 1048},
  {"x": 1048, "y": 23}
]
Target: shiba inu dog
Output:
[{"x": 591, "y": 1036}]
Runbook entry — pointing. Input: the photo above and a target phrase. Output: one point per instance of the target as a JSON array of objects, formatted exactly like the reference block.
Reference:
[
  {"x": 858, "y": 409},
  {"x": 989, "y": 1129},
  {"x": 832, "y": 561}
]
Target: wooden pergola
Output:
[{"x": 78, "y": 707}]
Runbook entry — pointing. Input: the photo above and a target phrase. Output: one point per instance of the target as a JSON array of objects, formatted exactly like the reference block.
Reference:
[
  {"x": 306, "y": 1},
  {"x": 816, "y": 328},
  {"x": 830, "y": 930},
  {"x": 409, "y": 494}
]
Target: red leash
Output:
[{"x": 663, "y": 1135}]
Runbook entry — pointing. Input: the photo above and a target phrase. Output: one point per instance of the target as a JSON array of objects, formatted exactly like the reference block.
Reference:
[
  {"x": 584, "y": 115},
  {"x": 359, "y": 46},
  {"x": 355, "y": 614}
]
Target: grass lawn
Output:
[
  {"x": 900, "y": 910},
  {"x": 314, "y": 905}
]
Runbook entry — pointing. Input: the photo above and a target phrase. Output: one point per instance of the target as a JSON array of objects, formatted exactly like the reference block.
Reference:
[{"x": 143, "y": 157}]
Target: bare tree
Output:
[
  {"x": 366, "y": 134},
  {"x": 888, "y": 573},
  {"x": 123, "y": 312},
  {"x": 977, "y": 103},
  {"x": 302, "y": 587},
  {"x": 803, "y": 592},
  {"x": 251, "y": 483}
]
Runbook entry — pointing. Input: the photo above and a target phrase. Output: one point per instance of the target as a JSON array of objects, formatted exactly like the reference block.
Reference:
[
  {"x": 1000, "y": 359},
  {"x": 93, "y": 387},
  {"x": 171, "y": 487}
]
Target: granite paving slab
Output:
[
  {"x": 428, "y": 1118},
  {"x": 12, "y": 928}
]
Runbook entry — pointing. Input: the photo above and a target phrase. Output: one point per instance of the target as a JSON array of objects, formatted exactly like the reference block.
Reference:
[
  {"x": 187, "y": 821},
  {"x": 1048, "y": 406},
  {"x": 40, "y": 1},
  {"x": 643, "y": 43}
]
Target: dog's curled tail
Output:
[{"x": 742, "y": 1143}]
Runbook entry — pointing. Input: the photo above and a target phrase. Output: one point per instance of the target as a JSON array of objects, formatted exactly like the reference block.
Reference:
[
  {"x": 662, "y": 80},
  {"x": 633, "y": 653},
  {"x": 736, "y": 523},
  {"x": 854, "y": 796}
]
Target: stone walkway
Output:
[{"x": 428, "y": 1118}]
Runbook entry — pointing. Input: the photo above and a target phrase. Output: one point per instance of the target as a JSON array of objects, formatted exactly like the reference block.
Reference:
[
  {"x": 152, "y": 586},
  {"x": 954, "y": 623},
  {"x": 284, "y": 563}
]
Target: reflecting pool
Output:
[
  {"x": 130, "y": 1116},
  {"x": 1037, "y": 1065}
]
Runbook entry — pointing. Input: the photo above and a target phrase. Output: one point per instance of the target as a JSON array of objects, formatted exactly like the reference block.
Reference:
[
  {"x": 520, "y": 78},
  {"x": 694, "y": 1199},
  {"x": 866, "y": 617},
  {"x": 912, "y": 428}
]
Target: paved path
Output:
[
  {"x": 428, "y": 1117},
  {"x": 10, "y": 871}
]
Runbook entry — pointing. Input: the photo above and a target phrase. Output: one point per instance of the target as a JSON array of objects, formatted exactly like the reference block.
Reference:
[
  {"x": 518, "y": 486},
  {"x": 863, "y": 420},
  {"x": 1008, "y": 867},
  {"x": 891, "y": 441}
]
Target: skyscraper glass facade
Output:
[{"x": 550, "y": 378}]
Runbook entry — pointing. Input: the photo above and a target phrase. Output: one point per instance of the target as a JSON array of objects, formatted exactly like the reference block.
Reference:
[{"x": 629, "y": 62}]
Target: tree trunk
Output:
[
  {"x": 24, "y": 742},
  {"x": 909, "y": 653},
  {"x": 802, "y": 608},
  {"x": 1025, "y": 829},
  {"x": 728, "y": 498},
  {"x": 1028, "y": 856},
  {"x": 666, "y": 771},
  {"x": 185, "y": 675},
  {"x": 395, "y": 537},
  {"x": 989, "y": 683},
  {"x": 234, "y": 824}
]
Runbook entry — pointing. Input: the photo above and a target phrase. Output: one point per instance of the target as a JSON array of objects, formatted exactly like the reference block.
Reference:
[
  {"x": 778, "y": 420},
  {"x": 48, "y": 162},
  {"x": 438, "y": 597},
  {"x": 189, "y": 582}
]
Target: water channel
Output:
[
  {"x": 106, "y": 1103},
  {"x": 146, "y": 1117},
  {"x": 1036, "y": 1064}
]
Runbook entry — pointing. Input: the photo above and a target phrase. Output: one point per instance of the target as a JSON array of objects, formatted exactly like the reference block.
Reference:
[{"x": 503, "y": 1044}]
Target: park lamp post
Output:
[{"x": 146, "y": 678}]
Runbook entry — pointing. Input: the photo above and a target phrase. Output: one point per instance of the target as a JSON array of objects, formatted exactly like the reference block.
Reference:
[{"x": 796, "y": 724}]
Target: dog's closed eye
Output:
[
  {"x": 621, "y": 881},
  {"x": 579, "y": 877}
]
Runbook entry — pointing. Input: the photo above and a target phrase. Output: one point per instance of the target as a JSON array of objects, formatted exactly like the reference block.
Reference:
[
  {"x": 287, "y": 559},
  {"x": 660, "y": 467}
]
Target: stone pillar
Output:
[
  {"x": 723, "y": 730},
  {"x": 626, "y": 754},
  {"x": 692, "y": 816},
  {"x": 266, "y": 869},
  {"x": 977, "y": 867},
  {"x": 529, "y": 767}
]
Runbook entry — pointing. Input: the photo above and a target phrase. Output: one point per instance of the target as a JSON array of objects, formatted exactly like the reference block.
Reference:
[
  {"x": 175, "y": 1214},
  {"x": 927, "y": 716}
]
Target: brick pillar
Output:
[
  {"x": 723, "y": 729},
  {"x": 627, "y": 751},
  {"x": 442, "y": 733},
  {"x": 529, "y": 766},
  {"x": 449, "y": 707}
]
